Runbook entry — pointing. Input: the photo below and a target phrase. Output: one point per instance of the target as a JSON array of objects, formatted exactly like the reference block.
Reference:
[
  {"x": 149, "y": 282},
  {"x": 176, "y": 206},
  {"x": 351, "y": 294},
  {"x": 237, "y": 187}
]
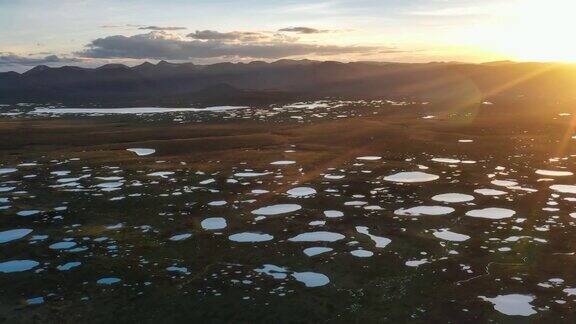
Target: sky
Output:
[{"x": 95, "y": 32}]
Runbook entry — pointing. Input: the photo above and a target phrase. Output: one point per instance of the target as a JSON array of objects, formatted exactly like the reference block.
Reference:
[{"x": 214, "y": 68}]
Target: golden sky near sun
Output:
[{"x": 535, "y": 30}]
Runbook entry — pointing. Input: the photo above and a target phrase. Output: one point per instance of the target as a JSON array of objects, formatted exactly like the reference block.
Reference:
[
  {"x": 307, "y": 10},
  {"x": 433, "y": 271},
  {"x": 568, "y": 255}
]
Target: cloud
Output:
[
  {"x": 161, "y": 28},
  {"x": 14, "y": 59},
  {"x": 228, "y": 36},
  {"x": 303, "y": 30},
  {"x": 210, "y": 44}
]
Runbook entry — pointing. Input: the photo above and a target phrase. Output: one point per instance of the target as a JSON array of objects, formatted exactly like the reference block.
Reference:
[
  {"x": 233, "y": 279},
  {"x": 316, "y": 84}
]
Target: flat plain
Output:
[{"x": 346, "y": 211}]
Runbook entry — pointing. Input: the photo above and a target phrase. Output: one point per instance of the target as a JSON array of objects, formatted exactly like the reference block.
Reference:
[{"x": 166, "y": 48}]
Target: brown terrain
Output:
[{"x": 510, "y": 141}]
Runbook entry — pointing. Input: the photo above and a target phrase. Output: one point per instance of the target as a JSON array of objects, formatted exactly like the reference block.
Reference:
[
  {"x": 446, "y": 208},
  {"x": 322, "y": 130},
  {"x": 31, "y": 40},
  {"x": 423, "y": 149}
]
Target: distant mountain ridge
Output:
[{"x": 183, "y": 83}]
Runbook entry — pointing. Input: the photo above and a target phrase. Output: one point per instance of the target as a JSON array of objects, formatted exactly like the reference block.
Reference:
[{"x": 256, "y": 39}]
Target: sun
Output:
[{"x": 537, "y": 30}]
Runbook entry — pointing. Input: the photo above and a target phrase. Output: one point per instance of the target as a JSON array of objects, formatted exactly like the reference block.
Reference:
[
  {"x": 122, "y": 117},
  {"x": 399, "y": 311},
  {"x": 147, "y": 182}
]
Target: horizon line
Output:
[{"x": 162, "y": 61}]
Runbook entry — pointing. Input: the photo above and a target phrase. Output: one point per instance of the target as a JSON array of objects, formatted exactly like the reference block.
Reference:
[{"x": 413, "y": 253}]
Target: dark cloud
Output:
[
  {"x": 161, "y": 28},
  {"x": 14, "y": 59},
  {"x": 161, "y": 45},
  {"x": 228, "y": 36},
  {"x": 303, "y": 30}
]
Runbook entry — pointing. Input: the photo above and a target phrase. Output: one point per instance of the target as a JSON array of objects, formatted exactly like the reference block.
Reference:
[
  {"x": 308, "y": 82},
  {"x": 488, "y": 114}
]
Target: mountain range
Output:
[{"x": 255, "y": 82}]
